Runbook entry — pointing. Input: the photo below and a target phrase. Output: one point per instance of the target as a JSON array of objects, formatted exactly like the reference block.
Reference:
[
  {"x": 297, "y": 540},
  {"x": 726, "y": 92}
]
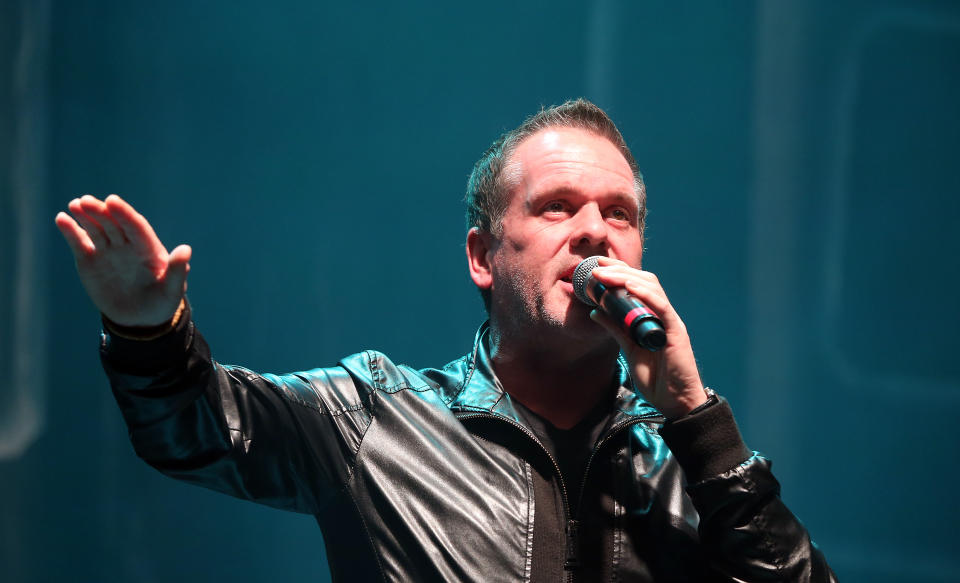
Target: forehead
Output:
[{"x": 569, "y": 158}]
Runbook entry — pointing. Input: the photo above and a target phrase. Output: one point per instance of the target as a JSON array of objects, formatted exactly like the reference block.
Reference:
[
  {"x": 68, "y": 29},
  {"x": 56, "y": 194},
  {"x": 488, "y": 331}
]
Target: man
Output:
[{"x": 557, "y": 450}]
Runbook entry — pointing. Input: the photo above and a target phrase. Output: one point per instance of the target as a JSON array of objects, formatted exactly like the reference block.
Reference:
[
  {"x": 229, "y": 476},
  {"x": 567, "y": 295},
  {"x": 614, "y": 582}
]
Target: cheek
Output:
[{"x": 629, "y": 250}]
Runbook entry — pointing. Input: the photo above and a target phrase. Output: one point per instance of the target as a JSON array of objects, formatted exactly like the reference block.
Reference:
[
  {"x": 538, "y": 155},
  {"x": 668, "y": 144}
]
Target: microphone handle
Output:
[{"x": 636, "y": 319}]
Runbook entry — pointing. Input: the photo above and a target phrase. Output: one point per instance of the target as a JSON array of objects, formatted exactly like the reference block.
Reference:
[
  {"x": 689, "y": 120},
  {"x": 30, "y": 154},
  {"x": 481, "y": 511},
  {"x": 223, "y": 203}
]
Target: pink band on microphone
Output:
[{"x": 636, "y": 313}]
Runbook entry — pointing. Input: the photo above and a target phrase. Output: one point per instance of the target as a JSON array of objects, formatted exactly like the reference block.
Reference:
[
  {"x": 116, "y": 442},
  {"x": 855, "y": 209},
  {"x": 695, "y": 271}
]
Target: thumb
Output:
[
  {"x": 178, "y": 265},
  {"x": 642, "y": 363},
  {"x": 625, "y": 342}
]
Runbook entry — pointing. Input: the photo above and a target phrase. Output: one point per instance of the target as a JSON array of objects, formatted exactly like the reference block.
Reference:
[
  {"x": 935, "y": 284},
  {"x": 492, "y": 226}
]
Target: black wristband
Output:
[{"x": 706, "y": 443}]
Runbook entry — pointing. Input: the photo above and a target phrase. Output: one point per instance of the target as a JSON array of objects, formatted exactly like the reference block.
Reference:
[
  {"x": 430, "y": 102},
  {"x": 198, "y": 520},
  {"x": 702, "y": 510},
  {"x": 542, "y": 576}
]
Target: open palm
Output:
[{"x": 124, "y": 267}]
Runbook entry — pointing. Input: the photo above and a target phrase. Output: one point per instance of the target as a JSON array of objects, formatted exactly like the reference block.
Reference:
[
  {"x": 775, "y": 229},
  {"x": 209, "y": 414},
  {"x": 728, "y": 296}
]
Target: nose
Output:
[{"x": 589, "y": 229}]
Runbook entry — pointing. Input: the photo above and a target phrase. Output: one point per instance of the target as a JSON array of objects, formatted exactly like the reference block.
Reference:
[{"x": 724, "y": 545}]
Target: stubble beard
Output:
[{"x": 527, "y": 313}]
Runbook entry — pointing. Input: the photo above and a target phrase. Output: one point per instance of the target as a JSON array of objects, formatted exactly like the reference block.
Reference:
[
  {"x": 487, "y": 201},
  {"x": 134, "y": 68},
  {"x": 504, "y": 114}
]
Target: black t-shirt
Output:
[{"x": 571, "y": 448}]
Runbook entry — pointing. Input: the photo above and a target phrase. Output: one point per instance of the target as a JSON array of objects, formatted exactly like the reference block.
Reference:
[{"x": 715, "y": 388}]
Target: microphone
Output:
[{"x": 636, "y": 319}]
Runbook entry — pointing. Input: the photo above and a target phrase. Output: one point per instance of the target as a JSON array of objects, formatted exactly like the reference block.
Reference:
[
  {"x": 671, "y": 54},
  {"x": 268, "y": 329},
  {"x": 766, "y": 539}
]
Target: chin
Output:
[{"x": 577, "y": 319}]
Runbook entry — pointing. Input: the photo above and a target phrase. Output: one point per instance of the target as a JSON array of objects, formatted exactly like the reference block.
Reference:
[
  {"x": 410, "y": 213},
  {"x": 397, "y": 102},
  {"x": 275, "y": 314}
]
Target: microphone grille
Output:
[{"x": 580, "y": 277}]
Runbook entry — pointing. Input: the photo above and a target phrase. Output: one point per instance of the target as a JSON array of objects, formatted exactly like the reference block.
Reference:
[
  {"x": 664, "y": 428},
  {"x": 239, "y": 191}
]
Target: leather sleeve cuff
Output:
[
  {"x": 706, "y": 443},
  {"x": 148, "y": 353},
  {"x": 144, "y": 332}
]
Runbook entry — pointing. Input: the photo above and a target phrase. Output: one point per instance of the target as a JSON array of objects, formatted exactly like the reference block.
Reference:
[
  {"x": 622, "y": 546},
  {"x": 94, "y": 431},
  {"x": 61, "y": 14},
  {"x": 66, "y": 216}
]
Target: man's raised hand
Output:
[{"x": 124, "y": 267}]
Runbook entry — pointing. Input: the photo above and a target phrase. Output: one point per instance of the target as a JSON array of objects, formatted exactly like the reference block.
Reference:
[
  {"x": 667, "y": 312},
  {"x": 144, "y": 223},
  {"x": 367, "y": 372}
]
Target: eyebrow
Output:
[{"x": 566, "y": 191}]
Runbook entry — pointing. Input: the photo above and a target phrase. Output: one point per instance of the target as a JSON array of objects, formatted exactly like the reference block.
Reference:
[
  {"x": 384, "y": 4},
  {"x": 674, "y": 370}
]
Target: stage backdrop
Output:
[{"x": 800, "y": 159}]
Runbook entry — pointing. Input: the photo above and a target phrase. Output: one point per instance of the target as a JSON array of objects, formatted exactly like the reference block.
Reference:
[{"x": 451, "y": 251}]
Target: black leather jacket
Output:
[{"x": 429, "y": 475}]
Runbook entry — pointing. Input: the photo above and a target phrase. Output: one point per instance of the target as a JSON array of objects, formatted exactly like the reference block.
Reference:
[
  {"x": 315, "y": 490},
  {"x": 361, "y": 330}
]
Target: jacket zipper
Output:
[
  {"x": 617, "y": 429},
  {"x": 572, "y": 528},
  {"x": 528, "y": 433}
]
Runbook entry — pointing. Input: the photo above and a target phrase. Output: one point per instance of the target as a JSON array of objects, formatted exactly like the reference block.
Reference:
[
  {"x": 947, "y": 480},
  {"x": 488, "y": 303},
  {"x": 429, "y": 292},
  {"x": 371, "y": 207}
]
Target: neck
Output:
[{"x": 560, "y": 379}]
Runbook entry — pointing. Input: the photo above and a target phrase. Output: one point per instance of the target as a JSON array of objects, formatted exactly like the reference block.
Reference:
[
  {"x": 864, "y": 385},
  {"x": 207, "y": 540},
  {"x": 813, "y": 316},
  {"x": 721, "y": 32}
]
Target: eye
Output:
[
  {"x": 620, "y": 214},
  {"x": 555, "y": 206}
]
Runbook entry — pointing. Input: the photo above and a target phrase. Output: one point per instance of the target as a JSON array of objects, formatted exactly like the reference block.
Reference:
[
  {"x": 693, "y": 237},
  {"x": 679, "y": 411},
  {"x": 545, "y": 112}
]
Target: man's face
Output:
[{"x": 574, "y": 198}]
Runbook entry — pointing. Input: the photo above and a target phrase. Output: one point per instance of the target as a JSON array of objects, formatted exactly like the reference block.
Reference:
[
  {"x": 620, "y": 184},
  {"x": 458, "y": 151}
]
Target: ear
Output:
[{"x": 478, "y": 257}]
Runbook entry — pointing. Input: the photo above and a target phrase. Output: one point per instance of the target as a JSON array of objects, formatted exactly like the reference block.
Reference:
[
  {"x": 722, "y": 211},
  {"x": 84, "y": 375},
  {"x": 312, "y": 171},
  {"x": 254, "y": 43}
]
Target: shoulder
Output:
[{"x": 375, "y": 370}]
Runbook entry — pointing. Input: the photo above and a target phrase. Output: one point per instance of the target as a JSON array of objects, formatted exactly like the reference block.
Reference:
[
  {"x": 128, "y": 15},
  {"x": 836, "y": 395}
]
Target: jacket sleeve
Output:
[
  {"x": 288, "y": 441},
  {"x": 746, "y": 531}
]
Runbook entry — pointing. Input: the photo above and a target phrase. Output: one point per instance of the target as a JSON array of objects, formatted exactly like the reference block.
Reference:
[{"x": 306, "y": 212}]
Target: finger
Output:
[
  {"x": 623, "y": 269},
  {"x": 97, "y": 210},
  {"x": 76, "y": 237},
  {"x": 616, "y": 276},
  {"x": 645, "y": 287},
  {"x": 655, "y": 299},
  {"x": 639, "y": 357},
  {"x": 88, "y": 223},
  {"x": 135, "y": 227},
  {"x": 178, "y": 266},
  {"x": 603, "y": 260}
]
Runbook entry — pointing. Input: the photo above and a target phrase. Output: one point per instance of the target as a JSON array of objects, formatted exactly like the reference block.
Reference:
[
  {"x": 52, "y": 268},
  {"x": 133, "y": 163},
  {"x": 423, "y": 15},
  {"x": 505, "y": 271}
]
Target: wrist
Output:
[
  {"x": 700, "y": 400},
  {"x": 144, "y": 332},
  {"x": 711, "y": 399}
]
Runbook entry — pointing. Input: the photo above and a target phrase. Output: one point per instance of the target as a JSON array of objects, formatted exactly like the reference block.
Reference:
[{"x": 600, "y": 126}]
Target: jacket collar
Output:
[{"x": 471, "y": 385}]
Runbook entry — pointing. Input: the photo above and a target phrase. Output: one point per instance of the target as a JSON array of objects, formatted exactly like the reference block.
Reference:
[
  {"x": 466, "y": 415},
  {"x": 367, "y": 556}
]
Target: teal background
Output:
[{"x": 800, "y": 159}]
